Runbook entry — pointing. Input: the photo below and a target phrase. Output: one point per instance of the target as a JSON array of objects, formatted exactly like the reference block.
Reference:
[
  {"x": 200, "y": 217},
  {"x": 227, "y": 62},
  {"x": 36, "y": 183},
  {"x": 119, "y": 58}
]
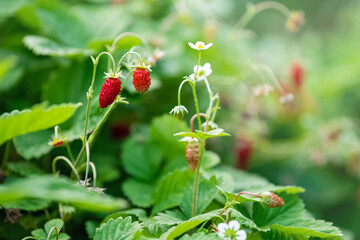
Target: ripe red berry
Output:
[
  {"x": 297, "y": 74},
  {"x": 192, "y": 153},
  {"x": 141, "y": 80},
  {"x": 109, "y": 91},
  {"x": 243, "y": 152}
]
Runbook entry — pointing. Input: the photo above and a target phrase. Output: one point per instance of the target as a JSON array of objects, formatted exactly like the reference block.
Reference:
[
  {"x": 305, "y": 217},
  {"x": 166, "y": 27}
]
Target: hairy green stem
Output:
[
  {"x": 122, "y": 58},
  {"x": 236, "y": 197},
  {"x": 94, "y": 133},
  {"x": 68, "y": 162},
  {"x": 216, "y": 109},
  {"x": 179, "y": 90}
]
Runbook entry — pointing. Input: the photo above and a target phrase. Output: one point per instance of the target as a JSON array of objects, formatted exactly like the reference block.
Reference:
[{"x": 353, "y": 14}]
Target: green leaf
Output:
[
  {"x": 171, "y": 189},
  {"x": 210, "y": 159},
  {"x": 90, "y": 227},
  {"x": 10, "y": 72},
  {"x": 207, "y": 191},
  {"x": 25, "y": 168},
  {"x": 39, "y": 233},
  {"x": 28, "y": 204},
  {"x": 307, "y": 227},
  {"x": 56, "y": 222},
  {"x": 119, "y": 229},
  {"x": 38, "y": 118},
  {"x": 290, "y": 221},
  {"x": 33, "y": 145},
  {"x": 188, "y": 225},
  {"x": 139, "y": 193},
  {"x": 58, "y": 189},
  {"x": 201, "y": 236},
  {"x": 141, "y": 160},
  {"x": 7, "y": 8},
  {"x": 47, "y": 47},
  {"x": 219, "y": 132},
  {"x": 162, "y": 130},
  {"x": 187, "y": 134},
  {"x": 138, "y": 212}
]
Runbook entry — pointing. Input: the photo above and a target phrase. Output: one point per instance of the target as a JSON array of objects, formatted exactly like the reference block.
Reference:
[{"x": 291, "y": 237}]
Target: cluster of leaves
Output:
[{"x": 154, "y": 176}]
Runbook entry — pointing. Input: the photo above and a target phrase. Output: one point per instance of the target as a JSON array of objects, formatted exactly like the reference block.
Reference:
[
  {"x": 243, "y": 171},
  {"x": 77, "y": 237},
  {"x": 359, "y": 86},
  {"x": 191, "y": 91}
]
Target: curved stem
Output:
[
  {"x": 122, "y": 58},
  {"x": 92, "y": 165},
  {"x": 51, "y": 230},
  {"x": 179, "y": 90},
  {"x": 125, "y": 34},
  {"x": 68, "y": 162},
  {"x": 90, "y": 92},
  {"x": 236, "y": 197},
  {"x": 192, "y": 120},
  {"x": 202, "y": 145},
  {"x": 253, "y": 10},
  {"x": 29, "y": 237}
]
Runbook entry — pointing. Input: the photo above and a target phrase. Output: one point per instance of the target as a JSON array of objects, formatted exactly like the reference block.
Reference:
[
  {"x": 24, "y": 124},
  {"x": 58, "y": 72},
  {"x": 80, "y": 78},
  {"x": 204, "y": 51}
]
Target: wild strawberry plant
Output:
[{"x": 165, "y": 181}]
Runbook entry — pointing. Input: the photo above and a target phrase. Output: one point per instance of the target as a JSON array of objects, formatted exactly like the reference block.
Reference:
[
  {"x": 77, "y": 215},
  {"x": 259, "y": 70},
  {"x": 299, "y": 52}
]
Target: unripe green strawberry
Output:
[
  {"x": 179, "y": 112},
  {"x": 272, "y": 200},
  {"x": 109, "y": 91},
  {"x": 141, "y": 79},
  {"x": 192, "y": 153}
]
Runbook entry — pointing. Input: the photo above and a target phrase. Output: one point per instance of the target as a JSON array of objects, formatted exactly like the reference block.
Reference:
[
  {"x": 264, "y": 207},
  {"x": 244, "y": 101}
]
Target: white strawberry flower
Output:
[
  {"x": 202, "y": 73},
  {"x": 230, "y": 231},
  {"x": 262, "y": 90},
  {"x": 200, "y": 45},
  {"x": 287, "y": 97}
]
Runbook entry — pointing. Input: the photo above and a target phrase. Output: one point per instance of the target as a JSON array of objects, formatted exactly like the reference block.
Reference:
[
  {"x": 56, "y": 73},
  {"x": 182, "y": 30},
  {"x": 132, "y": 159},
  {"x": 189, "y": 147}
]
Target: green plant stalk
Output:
[
  {"x": 69, "y": 151},
  {"x": 254, "y": 10},
  {"x": 216, "y": 109},
  {"x": 6, "y": 155},
  {"x": 202, "y": 145},
  {"x": 30, "y": 237},
  {"x": 68, "y": 162},
  {"x": 56, "y": 233},
  {"x": 95, "y": 132},
  {"x": 179, "y": 90},
  {"x": 236, "y": 197},
  {"x": 193, "y": 85}
]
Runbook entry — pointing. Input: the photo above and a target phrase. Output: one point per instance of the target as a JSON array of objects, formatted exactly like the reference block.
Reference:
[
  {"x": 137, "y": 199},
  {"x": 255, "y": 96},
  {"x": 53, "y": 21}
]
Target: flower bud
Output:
[
  {"x": 209, "y": 126},
  {"x": 272, "y": 200},
  {"x": 179, "y": 112}
]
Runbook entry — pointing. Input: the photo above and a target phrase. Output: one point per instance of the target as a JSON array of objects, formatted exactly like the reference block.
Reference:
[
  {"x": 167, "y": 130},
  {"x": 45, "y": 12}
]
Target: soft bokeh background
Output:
[{"x": 312, "y": 142}]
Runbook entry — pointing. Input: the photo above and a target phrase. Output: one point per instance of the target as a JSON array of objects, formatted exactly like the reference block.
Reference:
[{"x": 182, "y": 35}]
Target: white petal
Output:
[
  {"x": 241, "y": 235},
  {"x": 208, "y": 72},
  {"x": 200, "y": 78},
  {"x": 222, "y": 227},
  {"x": 221, "y": 234},
  {"x": 192, "y": 45},
  {"x": 207, "y": 66},
  {"x": 195, "y": 67},
  {"x": 192, "y": 76},
  {"x": 234, "y": 225},
  {"x": 207, "y": 46}
]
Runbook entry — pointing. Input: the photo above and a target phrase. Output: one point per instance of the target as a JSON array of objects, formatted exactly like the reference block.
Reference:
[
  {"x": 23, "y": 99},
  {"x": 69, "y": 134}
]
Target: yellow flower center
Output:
[{"x": 200, "y": 45}]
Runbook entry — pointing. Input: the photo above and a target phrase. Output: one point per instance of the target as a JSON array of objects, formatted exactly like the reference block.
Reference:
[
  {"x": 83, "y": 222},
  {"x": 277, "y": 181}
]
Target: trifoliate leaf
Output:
[{"x": 119, "y": 229}]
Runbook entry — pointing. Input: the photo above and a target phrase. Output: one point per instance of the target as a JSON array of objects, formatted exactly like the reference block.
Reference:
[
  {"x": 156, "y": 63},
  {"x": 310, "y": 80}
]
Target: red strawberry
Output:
[
  {"x": 297, "y": 73},
  {"x": 109, "y": 91},
  {"x": 141, "y": 79},
  {"x": 192, "y": 153},
  {"x": 243, "y": 152}
]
